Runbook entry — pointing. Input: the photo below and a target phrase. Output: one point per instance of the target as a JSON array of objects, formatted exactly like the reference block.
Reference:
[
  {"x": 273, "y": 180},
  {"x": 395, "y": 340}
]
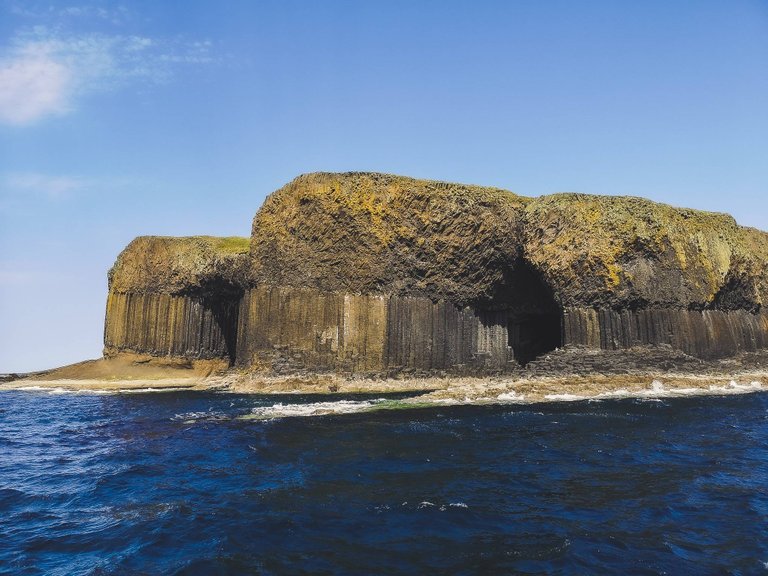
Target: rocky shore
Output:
[{"x": 565, "y": 375}]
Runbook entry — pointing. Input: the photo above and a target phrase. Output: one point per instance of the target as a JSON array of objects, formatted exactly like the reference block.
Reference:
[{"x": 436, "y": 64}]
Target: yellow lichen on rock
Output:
[
  {"x": 368, "y": 272},
  {"x": 175, "y": 265},
  {"x": 614, "y": 250},
  {"x": 376, "y": 233}
]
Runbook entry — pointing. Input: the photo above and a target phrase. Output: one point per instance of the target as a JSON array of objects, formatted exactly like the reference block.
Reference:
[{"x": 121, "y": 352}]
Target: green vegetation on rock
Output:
[{"x": 180, "y": 265}]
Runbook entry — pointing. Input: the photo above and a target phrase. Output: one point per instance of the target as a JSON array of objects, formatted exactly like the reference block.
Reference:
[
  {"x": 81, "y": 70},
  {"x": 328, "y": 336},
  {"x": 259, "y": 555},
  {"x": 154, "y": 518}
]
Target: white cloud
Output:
[
  {"x": 42, "y": 184},
  {"x": 33, "y": 85},
  {"x": 45, "y": 72}
]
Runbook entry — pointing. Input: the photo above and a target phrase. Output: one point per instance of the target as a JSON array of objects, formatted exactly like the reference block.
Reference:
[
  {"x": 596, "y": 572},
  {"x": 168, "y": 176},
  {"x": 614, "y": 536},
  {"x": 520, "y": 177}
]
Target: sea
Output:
[{"x": 190, "y": 483}]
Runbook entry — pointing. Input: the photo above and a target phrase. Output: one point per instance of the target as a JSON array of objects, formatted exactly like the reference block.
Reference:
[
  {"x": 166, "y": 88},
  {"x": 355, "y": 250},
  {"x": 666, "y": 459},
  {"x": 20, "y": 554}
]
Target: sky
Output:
[{"x": 119, "y": 119}]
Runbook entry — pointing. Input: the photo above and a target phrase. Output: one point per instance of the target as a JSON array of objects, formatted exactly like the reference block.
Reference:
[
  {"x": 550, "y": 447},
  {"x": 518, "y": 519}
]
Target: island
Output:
[{"x": 366, "y": 281}]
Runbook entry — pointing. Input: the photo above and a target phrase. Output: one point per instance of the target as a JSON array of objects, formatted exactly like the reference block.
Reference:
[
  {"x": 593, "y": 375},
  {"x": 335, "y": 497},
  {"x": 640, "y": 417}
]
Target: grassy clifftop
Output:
[{"x": 167, "y": 265}]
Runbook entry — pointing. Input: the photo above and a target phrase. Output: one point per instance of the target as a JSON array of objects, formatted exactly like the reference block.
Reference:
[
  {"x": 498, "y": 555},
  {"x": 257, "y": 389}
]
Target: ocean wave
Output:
[
  {"x": 207, "y": 415},
  {"x": 99, "y": 391},
  {"x": 281, "y": 410},
  {"x": 511, "y": 396},
  {"x": 565, "y": 397},
  {"x": 659, "y": 390},
  {"x": 425, "y": 504},
  {"x": 61, "y": 390}
]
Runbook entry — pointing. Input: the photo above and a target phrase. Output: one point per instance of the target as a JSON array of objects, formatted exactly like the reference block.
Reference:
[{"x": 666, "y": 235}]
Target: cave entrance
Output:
[
  {"x": 534, "y": 319},
  {"x": 221, "y": 299},
  {"x": 531, "y": 335}
]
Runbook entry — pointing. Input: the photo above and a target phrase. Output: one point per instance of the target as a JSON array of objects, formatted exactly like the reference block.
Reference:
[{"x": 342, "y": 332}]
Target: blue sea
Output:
[{"x": 205, "y": 483}]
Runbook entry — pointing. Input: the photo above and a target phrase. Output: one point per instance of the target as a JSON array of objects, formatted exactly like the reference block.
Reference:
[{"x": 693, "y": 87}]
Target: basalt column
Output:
[
  {"x": 171, "y": 325},
  {"x": 176, "y": 297},
  {"x": 701, "y": 333},
  {"x": 288, "y": 329}
]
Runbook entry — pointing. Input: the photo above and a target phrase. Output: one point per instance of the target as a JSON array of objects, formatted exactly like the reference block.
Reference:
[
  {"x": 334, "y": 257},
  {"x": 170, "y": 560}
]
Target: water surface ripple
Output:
[{"x": 178, "y": 483}]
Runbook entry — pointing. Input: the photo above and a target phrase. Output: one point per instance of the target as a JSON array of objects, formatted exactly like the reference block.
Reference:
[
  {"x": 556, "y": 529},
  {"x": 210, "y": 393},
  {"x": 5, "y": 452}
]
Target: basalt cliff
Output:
[{"x": 363, "y": 273}]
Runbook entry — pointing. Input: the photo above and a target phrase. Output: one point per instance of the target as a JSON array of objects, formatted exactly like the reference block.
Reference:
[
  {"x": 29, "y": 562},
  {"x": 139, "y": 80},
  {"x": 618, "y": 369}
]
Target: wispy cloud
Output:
[
  {"x": 31, "y": 183},
  {"x": 45, "y": 11},
  {"x": 45, "y": 71},
  {"x": 33, "y": 84}
]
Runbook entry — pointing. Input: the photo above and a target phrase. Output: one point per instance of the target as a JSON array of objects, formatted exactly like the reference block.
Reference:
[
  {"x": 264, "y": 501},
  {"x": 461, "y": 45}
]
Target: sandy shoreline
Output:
[{"x": 436, "y": 391}]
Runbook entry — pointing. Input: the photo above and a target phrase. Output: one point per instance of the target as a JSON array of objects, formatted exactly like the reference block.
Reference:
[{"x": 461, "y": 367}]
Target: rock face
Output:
[
  {"x": 381, "y": 234},
  {"x": 372, "y": 273},
  {"x": 176, "y": 296}
]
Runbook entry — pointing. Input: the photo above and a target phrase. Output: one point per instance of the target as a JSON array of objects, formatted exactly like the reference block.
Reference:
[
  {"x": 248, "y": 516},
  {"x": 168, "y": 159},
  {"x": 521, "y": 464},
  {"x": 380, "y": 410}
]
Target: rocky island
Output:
[{"x": 364, "y": 281}]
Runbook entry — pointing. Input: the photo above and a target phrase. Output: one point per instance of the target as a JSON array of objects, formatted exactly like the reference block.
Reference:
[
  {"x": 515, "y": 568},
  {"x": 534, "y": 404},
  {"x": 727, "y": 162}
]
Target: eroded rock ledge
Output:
[{"x": 376, "y": 274}]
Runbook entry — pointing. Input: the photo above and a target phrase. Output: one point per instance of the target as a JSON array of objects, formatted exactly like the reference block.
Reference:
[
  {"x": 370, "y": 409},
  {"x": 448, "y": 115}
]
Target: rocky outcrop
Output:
[
  {"x": 374, "y": 233},
  {"x": 380, "y": 234},
  {"x": 373, "y": 273},
  {"x": 176, "y": 296}
]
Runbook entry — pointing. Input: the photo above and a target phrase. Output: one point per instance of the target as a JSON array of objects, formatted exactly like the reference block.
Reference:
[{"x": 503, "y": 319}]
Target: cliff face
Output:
[
  {"x": 377, "y": 273},
  {"x": 290, "y": 329},
  {"x": 376, "y": 233},
  {"x": 176, "y": 296},
  {"x": 195, "y": 265},
  {"x": 632, "y": 253}
]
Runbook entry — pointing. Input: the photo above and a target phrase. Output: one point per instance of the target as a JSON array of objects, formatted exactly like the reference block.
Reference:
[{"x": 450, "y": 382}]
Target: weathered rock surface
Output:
[
  {"x": 372, "y": 273},
  {"x": 194, "y": 265},
  {"x": 176, "y": 296},
  {"x": 376, "y": 233}
]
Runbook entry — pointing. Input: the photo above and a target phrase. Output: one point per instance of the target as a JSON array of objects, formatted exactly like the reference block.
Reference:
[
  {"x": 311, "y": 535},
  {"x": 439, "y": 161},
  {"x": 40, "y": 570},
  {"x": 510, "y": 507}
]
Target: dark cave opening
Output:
[
  {"x": 222, "y": 298},
  {"x": 226, "y": 314},
  {"x": 531, "y": 335},
  {"x": 534, "y": 318}
]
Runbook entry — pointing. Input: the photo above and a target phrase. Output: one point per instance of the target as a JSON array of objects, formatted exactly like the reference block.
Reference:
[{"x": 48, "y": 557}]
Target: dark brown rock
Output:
[{"x": 377, "y": 274}]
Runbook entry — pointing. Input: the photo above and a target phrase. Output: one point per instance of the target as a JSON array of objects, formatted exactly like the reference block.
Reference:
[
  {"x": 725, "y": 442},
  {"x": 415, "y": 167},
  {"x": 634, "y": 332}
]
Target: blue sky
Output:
[{"x": 176, "y": 118}]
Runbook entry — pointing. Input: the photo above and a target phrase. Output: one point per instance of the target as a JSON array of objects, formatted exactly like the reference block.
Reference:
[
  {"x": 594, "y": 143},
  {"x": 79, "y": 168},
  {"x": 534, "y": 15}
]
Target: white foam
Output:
[
  {"x": 446, "y": 401},
  {"x": 60, "y": 390},
  {"x": 565, "y": 397},
  {"x": 510, "y": 396},
  {"x": 150, "y": 389},
  {"x": 192, "y": 417},
  {"x": 621, "y": 393},
  {"x": 658, "y": 390},
  {"x": 281, "y": 410}
]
